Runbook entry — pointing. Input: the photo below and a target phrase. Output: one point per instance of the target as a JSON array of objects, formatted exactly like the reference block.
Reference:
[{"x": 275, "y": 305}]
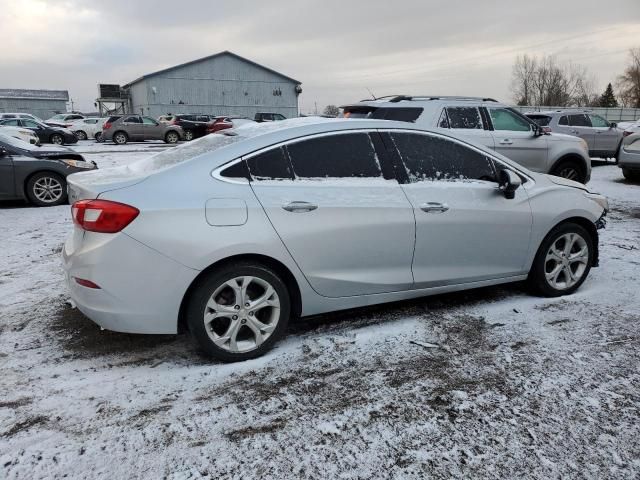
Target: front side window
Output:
[
  {"x": 12, "y": 123},
  {"x": 149, "y": 121},
  {"x": 30, "y": 124},
  {"x": 270, "y": 165},
  {"x": 504, "y": 119},
  {"x": 579, "y": 121},
  {"x": 433, "y": 158},
  {"x": 335, "y": 156},
  {"x": 464, "y": 117},
  {"x": 598, "y": 121}
]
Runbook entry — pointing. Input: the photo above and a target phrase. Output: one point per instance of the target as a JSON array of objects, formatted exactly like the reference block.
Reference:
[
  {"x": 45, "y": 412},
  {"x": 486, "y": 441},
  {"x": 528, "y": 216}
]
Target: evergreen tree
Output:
[{"x": 608, "y": 99}]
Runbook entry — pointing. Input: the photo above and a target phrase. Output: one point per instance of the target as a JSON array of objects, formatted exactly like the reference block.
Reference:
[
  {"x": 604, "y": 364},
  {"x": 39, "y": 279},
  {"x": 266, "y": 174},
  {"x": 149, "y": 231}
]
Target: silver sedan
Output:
[{"x": 234, "y": 234}]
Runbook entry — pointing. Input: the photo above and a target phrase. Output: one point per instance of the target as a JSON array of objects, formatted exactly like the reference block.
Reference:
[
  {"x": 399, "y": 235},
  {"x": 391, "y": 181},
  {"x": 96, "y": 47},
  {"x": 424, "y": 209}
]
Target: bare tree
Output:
[
  {"x": 545, "y": 81},
  {"x": 629, "y": 81},
  {"x": 331, "y": 110}
]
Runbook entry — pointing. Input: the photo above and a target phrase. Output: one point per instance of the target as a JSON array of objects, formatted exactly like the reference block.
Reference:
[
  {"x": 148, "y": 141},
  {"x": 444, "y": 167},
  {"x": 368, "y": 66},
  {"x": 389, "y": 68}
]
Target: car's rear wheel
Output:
[
  {"x": 57, "y": 139},
  {"x": 98, "y": 137},
  {"x": 563, "y": 261},
  {"x": 188, "y": 135},
  {"x": 238, "y": 312},
  {"x": 172, "y": 137},
  {"x": 571, "y": 170},
  {"x": 81, "y": 135},
  {"x": 47, "y": 189},
  {"x": 120, "y": 138}
]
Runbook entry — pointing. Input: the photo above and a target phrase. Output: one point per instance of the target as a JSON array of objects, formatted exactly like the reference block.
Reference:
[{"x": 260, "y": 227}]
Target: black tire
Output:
[
  {"x": 57, "y": 139},
  {"x": 98, "y": 137},
  {"x": 197, "y": 307},
  {"x": 632, "y": 175},
  {"x": 37, "y": 191},
  {"x": 81, "y": 135},
  {"x": 172, "y": 137},
  {"x": 120, "y": 137},
  {"x": 538, "y": 275},
  {"x": 188, "y": 135},
  {"x": 571, "y": 170}
]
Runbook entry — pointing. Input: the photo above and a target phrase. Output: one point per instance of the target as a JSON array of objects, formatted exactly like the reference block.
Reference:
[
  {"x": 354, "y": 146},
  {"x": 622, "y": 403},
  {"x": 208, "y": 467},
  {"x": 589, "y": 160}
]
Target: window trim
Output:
[
  {"x": 216, "y": 173},
  {"x": 485, "y": 126},
  {"x": 460, "y": 142}
]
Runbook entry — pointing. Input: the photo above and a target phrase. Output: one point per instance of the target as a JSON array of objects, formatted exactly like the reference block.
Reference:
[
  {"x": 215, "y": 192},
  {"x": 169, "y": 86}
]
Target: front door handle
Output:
[
  {"x": 506, "y": 141},
  {"x": 434, "y": 207},
  {"x": 299, "y": 207}
]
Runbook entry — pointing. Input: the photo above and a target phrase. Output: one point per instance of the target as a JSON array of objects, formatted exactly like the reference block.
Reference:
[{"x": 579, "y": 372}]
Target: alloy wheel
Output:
[
  {"x": 241, "y": 314},
  {"x": 172, "y": 137},
  {"x": 48, "y": 189},
  {"x": 188, "y": 135},
  {"x": 570, "y": 173},
  {"x": 57, "y": 140},
  {"x": 566, "y": 261}
]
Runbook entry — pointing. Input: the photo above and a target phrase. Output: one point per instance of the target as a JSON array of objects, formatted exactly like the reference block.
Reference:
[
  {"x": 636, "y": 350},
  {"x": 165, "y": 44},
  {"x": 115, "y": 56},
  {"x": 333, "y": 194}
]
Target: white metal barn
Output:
[
  {"x": 41, "y": 103},
  {"x": 220, "y": 84}
]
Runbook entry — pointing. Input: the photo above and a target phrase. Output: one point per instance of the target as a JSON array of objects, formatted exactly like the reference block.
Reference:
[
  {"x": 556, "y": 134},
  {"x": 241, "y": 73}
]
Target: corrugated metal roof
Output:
[
  {"x": 34, "y": 94},
  {"x": 226, "y": 52}
]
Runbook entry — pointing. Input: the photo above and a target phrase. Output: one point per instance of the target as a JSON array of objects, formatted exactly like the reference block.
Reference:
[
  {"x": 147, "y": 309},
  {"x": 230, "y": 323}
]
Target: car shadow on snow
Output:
[{"x": 81, "y": 338}]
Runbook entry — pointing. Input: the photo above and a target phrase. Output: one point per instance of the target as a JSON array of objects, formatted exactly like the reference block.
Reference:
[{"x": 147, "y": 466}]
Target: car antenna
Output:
[{"x": 371, "y": 93}]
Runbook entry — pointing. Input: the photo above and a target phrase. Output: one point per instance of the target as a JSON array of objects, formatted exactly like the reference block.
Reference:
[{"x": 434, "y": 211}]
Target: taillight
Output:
[
  {"x": 626, "y": 134},
  {"x": 106, "y": 126},
  {"x": 103, "y": 216}
]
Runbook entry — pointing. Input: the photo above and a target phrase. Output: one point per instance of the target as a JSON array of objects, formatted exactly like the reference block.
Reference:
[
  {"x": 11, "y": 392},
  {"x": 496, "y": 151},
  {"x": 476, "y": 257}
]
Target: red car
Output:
[{"x": 222, "y": 123}]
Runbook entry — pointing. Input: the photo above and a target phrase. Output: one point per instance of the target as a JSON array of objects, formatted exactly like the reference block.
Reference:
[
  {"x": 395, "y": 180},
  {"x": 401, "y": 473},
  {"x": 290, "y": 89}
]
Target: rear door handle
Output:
[
  {"x": 434, "y": 207},
  {"x": 506, "y": 141},
  {"x": 299, "y": 207}
]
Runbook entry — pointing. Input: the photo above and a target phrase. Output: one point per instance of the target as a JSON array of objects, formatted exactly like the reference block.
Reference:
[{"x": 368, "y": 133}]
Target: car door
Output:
[
  {"x": 152, "y": 130},
  {"x": 606, "y": 137},
  {"x": 466, "y": 122},
  {"x": 514, "y": 138},
  {"x": 466, "y": 230},
  {"x": 350, "y": 230},
  {"x": 580, "y": 126},
  {"x": 7, "y": 176},
  {"x": 133, "y": 126}
]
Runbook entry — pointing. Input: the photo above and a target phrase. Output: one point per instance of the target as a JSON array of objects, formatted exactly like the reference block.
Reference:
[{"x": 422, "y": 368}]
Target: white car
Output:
[
  {"x": 629, "y": 128},
  {"x": 90, "y": 127},
  {"x": 64, "y": 119},
  {"x": 6, "y": 115},
  {"x": 20, "y": 133}
]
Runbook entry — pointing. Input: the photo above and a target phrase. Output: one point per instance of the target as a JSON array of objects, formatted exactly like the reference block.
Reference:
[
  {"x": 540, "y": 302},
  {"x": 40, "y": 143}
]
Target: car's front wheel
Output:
[
  {"x": 239, "y": 311},
  {"x": 563, "y": 261},
  {"x": 47, "y": 189},
  {"x": 633, "y": 175},
  {"x": 570, "y": 170}
]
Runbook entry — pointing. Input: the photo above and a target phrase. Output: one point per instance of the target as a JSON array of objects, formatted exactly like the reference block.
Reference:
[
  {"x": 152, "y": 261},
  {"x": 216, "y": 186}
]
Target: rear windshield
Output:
[
  {"x": 542, "y": 120},
  {"x": 402, "y": 114}
]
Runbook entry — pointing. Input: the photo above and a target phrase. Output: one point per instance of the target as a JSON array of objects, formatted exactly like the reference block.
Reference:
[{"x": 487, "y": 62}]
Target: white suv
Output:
[{"x": 490, "y": 123}]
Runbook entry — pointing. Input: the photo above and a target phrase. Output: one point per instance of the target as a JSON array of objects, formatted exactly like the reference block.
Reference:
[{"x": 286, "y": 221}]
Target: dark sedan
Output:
[
  {"x": 46, "y": 133},
  {"x": 37, "y": 174}
]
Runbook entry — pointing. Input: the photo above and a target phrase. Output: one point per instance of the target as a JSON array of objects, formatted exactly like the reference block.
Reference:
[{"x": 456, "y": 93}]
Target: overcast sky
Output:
[{"x": 337, "y": 49}]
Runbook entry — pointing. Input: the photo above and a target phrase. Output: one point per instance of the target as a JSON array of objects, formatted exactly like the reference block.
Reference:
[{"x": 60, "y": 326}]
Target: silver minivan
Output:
[{"x": 603, "y": 137}]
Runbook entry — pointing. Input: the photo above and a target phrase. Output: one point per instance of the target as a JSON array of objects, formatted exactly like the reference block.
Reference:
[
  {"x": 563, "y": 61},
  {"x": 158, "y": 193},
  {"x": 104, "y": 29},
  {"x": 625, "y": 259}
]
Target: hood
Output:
[
  {"x": 566, "y": 182},
  {"x": 562, "y": 137}
]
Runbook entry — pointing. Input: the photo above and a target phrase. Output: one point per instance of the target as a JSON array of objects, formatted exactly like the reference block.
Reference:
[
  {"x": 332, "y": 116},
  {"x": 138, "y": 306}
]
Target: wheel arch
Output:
[
  {"x": 585, "y": 223},
  {"x": 571, "y": 157},
  {"x": 117, "y": 132},
  {"x": 280, "y": 268},
  {"x": 26, "y": 179}
]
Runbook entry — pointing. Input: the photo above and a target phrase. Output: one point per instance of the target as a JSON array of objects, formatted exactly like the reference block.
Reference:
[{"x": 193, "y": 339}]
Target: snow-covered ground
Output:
[{"x": 487, "y": 383}]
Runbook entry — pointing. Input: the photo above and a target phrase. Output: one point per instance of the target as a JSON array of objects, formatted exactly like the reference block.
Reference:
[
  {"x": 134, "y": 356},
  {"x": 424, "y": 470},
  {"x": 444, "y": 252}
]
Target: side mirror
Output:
[
  {"x": 509, "y": 182},
  {"x": 613, "y": 125}
]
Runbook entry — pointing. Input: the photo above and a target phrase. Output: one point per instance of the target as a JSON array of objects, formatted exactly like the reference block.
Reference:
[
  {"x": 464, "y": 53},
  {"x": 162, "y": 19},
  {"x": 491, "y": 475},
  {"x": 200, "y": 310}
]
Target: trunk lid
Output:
[{"x": 90, "y": 185}]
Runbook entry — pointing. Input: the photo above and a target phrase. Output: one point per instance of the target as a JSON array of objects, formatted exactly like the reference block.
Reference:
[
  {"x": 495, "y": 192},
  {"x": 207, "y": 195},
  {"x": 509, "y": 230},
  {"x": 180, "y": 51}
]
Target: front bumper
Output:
[{"x": 140, "y": 289}]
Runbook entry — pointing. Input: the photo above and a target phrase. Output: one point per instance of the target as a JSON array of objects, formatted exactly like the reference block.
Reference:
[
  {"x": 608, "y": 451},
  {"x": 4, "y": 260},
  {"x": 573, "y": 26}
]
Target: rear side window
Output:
[
  {"x": 335, "y": 156},
  {"x": 579, "y": 121},
  {"x": 12, "y": 123},
  {"x": 563, "y": 121},
  {"x": 270, "y": 165},
  {"x": 433, "y": 158},
  {"x": 132, "y": 120},
  {"x": 464, "y": 117},
  {"x": 542, "y": 120},
  {"x": 404, "y": 114}
]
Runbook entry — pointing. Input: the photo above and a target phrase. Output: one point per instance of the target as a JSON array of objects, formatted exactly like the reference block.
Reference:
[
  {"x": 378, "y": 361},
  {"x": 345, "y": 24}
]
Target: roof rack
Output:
[{"x": 400, "y": 98}]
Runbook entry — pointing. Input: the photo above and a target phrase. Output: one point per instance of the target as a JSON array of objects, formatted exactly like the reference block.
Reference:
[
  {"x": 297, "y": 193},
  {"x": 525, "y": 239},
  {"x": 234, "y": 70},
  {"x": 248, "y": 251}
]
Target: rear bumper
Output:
[{"x": 140, "y": 289}]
